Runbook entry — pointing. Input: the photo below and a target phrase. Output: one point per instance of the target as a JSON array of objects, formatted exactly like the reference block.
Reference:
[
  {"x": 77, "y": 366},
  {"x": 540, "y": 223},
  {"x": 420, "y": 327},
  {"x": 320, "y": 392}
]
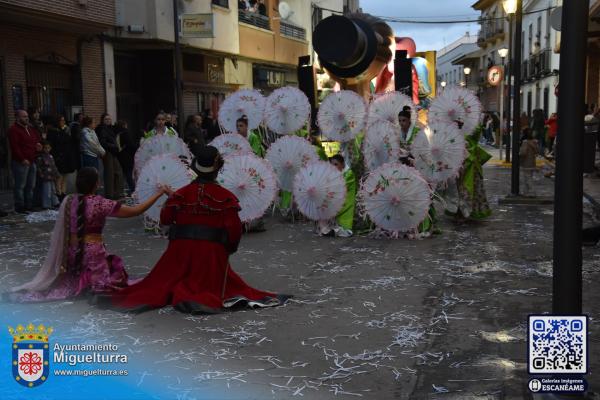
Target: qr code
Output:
[{"x": 557, "y": 344}]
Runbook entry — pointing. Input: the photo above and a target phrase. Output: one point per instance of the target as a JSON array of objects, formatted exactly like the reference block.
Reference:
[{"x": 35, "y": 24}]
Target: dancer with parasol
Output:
[
  {"x": 193, "y": 274},
  {"x": 345, "y": 217},
  {"x": 465, "y": 197},
  {"x": 253, "y": 138}
]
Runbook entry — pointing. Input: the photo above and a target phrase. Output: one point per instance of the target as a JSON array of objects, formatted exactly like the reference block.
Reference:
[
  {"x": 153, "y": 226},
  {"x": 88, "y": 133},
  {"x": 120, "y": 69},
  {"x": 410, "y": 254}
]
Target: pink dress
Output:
[{"x": 100, "y": 272}]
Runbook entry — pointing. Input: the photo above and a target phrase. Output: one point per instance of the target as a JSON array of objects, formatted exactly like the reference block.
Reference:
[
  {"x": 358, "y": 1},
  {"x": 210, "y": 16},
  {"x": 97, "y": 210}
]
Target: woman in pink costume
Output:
[{"x": 77, "y": 262}]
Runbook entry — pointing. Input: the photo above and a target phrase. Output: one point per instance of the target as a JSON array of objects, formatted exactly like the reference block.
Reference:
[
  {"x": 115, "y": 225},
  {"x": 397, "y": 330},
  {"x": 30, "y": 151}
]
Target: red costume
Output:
[{"x": 193, "y": 274}]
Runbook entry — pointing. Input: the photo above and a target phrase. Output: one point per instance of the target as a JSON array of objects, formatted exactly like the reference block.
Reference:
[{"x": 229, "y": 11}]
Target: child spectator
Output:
[
  {"x": 527, "y": 153},
  {"x": 47, "y": 174},
  {"x": 345, "y": 218}
]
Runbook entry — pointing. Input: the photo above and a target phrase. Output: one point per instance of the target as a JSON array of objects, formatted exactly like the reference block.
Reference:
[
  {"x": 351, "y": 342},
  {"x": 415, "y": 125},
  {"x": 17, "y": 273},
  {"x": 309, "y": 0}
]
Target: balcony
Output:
[
  {"x": 293, "y": 31},
  {"x": 538, "y": 66},
  {"x": 255, "y": 19},
  {"x": 490, "y": 31}
]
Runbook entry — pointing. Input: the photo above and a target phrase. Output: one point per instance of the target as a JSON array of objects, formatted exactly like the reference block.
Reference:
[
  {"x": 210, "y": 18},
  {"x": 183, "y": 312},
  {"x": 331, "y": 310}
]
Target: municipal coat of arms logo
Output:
[{"x": 30, "y": 360}]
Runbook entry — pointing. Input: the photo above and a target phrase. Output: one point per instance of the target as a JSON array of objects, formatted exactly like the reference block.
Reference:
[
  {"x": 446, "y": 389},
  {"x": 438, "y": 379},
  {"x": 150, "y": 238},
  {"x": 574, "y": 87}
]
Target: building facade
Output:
[
  {"x": 493, "y": 35},
  {"x": 241, "y": 49},
  {"x": 448, "y": 71},
  {"x": 51, "y": 58},
  {"x": 540, "y": 62}
]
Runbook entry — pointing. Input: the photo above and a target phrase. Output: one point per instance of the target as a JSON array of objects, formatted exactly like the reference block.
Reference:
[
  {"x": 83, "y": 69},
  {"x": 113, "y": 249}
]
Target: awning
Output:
[{"x": 469, "y": 57}]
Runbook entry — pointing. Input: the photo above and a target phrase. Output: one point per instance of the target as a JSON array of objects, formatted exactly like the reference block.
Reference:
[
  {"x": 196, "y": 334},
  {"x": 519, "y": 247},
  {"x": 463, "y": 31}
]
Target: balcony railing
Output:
[
  {"x": 255, "y": 19},
  {"x": 291, "y": 30},
  {"x": 489, "y": 30},
  {"x": 537, "y": 66}
]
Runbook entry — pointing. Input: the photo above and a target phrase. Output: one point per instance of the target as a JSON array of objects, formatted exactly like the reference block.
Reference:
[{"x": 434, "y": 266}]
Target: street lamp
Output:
[
  {"x": 515, "y": 8},
  {"x": 443, "y": 84},
  {"x": 467, "y": 71},
  {"x": 510, "y": 6},
  {"x": 502, "y": 52}
]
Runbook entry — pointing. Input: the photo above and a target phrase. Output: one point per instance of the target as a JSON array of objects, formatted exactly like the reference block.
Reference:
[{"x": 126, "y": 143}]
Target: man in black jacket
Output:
[{"x": 113, "y": 175}]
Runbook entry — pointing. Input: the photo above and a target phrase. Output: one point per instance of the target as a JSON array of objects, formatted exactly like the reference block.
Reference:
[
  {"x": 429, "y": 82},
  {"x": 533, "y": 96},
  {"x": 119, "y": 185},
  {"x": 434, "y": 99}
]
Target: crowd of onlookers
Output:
[
  {"x": 46, "y": 152},
  {"x": 255, "y": 6}
]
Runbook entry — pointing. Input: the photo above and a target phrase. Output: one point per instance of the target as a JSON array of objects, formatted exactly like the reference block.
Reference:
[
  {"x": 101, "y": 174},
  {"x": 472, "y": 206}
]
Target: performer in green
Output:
[
  {"x": 345, "y": 218},
  {"x": 465, "y": 197},
  {"x": 285, "y": 197},
  {"x": 408, "y": 133},
  {"x": 253, "y": 138},
  {"x": 160, "y": 127}
]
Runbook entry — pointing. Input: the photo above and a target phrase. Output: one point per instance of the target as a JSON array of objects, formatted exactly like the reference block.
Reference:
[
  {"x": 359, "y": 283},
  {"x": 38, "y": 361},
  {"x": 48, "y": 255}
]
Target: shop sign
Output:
[{"x": 197, "y": 25}]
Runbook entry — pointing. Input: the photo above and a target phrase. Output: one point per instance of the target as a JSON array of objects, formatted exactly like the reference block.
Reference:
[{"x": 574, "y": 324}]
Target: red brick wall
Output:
[
  {"x": 102, "y": 11},
  {"x": 19, "y": 43},
  {"x": 92, "y": 77}
]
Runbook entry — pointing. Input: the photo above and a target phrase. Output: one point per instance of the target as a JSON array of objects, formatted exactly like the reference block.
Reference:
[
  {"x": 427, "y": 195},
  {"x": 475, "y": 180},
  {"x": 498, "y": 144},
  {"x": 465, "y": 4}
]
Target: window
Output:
[
  {"x": 530, "y": 39},
  {"x": 221, "y": 3},
  {"x": 548, "y": 29}
]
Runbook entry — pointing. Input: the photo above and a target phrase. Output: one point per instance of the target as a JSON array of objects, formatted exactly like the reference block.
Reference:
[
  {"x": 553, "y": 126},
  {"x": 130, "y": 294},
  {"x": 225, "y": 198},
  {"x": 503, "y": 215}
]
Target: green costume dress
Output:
[
  {"x": 466, "y": 196},
  {"x": 285, "y": 201},
  {"x": 168, "y": 131},
  {"x": 345, "y": 217},
  {"x": 256, "y": 144}
]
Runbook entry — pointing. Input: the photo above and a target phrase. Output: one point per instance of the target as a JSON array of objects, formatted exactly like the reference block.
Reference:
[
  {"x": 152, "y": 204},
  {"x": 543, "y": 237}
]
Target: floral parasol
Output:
[
  {"x": 163, "y": 169},
  {"x": 242, "y": 102},
  {"x": 439, "y": 152},
  {"x": 252, "y": 180},
  {"x": 456, "y": 106},
  {"x": 287, "y": 155},
  {"x": 395, "y": 197},
  {"x": 342, "y": 115},
  {"x": 386, "y": 107},
  {"x": 160, "y": 144},
  {"x": 381, "y": 144},
  {"x": 287, "y": 110},
  {"x": 231, "y": 144},
  {"x": 319, "y": 191}
]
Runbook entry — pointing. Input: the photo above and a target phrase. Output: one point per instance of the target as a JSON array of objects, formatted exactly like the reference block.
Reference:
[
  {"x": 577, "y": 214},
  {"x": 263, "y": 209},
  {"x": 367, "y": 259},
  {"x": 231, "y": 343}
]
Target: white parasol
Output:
[
  {"x": 252, "y": 180},
  {"x": 231, "y": 144},
  {"x": 395, "y": 197},
  {"x": 160, "y": 144},
  {"x": 287, "y": 155},
  {"x": 163, "y": 169},
  {"x": 439, "y": 152},
  {"x": 386, "y": 107},
  {"x": 319, "y": 191},
  {"x": 456, "y": 104},
  {"x": 381, "y": 144},
  {"x": 287, "y": 110},
  {"x": 342, "y": 115},
  {"x": 242, "y": 102}
]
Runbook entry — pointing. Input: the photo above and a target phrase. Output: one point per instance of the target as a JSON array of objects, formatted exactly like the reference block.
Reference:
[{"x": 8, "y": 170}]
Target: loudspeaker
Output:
[
  {"x": 403, "y": 73},
  {"x": 307, "y": 82}
]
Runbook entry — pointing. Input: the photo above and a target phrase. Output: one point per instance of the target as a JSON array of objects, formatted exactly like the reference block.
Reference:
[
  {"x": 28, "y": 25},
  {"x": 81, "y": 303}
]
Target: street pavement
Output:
[{"x": 438, "y": 318}]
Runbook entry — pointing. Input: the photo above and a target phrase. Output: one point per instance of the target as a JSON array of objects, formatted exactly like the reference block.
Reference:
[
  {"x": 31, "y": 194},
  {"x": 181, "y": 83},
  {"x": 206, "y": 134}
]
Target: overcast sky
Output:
[{"x": 426, "y": 36}]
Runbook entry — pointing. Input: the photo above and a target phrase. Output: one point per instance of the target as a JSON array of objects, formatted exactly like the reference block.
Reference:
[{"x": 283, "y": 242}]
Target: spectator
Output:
[
  {"x": 262, "y": 8},
  {"x": 24, "y": 143},
  {"x": 489, "y": 126},
  {"x": 552, "y": 124},
  {"x": 35, "y": 121},
  {"x": 160, "y": 126},
  {"x": 91, "y": 150},
  {"x": 527, "y": 153},
  {"x": 63, "y": 145},
  {"x": 242, "y": 5},
  {"x": 524, "y": 121},
  {"x": 538, "y": 127},
  {"x": 194, "y": 135},
  {"x": 47, "y": 174},
  {"x": 76, "y": 127},
  {"x": 113, "y": 175},
  {"x": 253, "y": 7},
  {"x": 128, "y": 147},
  {"x": 174, "y": 121},
  {"x": 210, "y": 125}
]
